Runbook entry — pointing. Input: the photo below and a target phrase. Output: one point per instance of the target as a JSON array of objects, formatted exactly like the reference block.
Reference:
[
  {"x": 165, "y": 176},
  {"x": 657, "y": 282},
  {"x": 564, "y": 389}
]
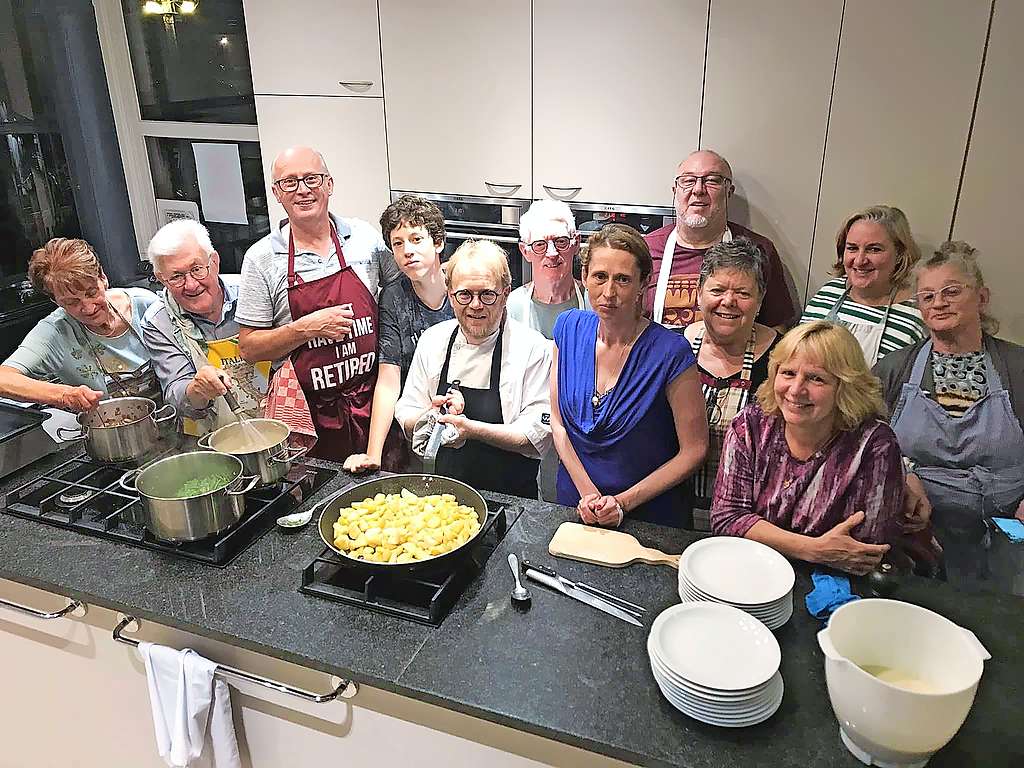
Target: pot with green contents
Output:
[{"x": 191, "y": 495}]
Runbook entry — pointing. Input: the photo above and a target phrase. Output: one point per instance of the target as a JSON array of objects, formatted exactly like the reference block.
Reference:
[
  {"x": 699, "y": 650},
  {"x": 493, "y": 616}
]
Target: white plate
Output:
[
  {"x": 774, "y": 618},
  {"x": 697, "y": 592},
  {"x": 742, "y": 721},
  {"x": 739, "y": 571},
  {"x": 727, "y": 701},
  {"x": 739, "y": 711},
  {"x": 715, "y": 645}
]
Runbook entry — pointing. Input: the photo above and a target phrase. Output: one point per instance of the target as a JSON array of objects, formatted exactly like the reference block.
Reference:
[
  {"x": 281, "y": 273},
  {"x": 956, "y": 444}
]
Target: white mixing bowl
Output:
[{"x": 885, "y": 724}]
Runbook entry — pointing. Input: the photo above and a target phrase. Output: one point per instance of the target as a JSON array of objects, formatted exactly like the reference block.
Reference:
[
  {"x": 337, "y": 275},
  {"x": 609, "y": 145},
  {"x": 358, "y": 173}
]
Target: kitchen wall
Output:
[{"x": 821, "y": 106}]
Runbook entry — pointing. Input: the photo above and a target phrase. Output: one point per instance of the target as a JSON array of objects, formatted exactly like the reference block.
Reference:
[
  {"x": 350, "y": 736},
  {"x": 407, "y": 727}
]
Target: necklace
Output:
[{"x": 600, "y": 396}]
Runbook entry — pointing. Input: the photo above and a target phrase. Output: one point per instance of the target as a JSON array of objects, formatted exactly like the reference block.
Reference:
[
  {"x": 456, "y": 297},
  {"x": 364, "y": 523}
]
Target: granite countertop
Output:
[{"x": 561, "y": 670}]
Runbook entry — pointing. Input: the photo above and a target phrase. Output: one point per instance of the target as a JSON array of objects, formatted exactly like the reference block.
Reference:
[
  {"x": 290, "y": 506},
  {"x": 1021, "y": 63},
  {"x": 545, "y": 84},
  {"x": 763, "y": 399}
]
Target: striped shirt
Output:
[{"x": 904, "y": 327}]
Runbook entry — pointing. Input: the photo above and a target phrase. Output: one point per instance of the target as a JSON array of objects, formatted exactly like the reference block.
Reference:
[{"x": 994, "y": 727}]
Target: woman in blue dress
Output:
[{"x": 627, "y": 413}]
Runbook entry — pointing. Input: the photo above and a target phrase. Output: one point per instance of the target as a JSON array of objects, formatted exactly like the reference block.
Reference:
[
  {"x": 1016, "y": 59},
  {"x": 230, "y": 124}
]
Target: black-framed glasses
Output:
[
  {"x": 950, "y": 292},
  {"x": 710, "y": 181},
  {"x": 311, "y": 180},
  {"x": 540, "y": 247},
  {"x": 198, "y": 272},
  {"x": 465, "y": 296}
]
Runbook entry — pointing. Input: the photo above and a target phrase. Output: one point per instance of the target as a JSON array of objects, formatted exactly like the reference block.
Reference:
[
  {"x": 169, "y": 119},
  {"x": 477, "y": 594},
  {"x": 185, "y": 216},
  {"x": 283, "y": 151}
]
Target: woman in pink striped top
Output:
[{"x": 811, "y": 469}]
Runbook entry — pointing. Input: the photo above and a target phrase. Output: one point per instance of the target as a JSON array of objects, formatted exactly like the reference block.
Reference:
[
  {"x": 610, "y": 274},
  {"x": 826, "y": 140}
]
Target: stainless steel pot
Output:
[
  {"x": 260, "y": 444},
  {"x": 120, "y": 429},
  {"x": 173, "y": 518}
]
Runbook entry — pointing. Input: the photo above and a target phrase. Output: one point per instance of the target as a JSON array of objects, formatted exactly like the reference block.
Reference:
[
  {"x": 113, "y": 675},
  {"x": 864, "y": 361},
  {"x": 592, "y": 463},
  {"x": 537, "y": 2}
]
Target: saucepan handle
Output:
[
  {"x": 204, "y": 441},
  {"x": 290, "y": 453},
  {"x": 171, "y": 413},
  {"x": 82, "y": 431},
  {"x": 123, "y": 482},
  {"x": 248, "y": 483}
]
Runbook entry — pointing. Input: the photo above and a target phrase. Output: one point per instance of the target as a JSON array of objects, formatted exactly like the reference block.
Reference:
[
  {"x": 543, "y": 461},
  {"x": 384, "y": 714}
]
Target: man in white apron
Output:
[
  {"x": 701, "y": 190},
  {"x": 192, "y": 333}
]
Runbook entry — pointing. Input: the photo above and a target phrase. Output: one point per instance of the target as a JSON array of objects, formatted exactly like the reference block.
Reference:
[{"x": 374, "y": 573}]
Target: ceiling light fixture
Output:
[{"x": 170, "y": 7}]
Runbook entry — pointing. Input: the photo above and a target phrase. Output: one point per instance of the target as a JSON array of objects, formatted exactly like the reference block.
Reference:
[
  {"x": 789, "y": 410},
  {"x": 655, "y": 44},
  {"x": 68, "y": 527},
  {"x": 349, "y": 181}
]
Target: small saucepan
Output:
[
  {"x": 119, "y": 429},
  {"x": 260, "y": 444},
  {"x": 190, "y": 496}
]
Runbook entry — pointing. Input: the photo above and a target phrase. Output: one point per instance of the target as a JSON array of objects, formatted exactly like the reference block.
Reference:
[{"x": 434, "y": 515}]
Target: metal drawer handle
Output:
[
  {"x": 346, "y": 688},
  {"x": 356, "y": 83},
  {"x": 72, "y": 606},
  {"x": 511, "y": 187}
]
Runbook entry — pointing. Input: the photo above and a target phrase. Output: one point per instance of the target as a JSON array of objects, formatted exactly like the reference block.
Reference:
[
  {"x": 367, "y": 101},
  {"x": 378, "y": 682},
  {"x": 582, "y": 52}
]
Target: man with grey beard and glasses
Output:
[{"x": 702, "y": 187}]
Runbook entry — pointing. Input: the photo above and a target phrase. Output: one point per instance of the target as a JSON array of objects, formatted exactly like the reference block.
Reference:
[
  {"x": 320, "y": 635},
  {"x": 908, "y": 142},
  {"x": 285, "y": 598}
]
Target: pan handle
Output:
[
  {"x": 204, "y": 441},
  {"x": 82, "y": 430},
  {"x": 290, "y": 453},
  {"x": 170, "y": 415},
  {"x": 123, "y": 482},
  {"x": 248, "y": 486}
]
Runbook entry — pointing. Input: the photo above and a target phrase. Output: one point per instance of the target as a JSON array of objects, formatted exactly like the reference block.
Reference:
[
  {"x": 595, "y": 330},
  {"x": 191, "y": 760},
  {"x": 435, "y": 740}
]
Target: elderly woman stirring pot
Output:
[
  {"x": 626, "y": 408},
  {"x": 957, "y": 402},
  {"x": 811, "y": 469},
  {"x": 88, "y": 347},
  {"x": 731, "y": 349}
]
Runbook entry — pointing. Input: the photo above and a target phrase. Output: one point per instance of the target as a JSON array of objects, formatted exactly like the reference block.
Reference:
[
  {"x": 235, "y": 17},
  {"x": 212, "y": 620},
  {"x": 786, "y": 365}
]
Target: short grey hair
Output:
[
  {"x": 542, "y": 211},
  {"x": 171, "y": 237},
  {"x": 741, "y": 254},
  {"x": 964, "y": 257}
]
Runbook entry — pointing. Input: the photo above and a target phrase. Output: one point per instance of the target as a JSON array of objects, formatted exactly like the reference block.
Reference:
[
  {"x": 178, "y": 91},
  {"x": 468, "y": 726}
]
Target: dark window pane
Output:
[
  {"x": 191, "y": 67},
  {"x": 173, "y": 165}
]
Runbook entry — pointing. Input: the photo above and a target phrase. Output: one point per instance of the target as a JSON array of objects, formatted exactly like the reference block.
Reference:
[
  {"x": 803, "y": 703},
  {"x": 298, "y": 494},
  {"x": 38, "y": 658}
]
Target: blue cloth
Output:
[
  {"x": 632, "y": 432},
  {"x": 830, "y": 592}
]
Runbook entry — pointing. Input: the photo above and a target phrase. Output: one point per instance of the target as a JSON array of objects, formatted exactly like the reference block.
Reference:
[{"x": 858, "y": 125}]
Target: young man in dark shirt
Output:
[{"x": 414, "y": 230}]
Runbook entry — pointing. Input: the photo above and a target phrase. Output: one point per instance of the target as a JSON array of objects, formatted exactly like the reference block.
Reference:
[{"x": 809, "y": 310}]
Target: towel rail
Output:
[
  {"x": 346, "y": 688},
  {"x": 72, "y": 606}
]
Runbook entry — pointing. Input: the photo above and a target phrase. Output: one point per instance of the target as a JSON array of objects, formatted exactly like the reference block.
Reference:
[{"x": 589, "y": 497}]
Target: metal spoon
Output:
[{"x": 520, "y": 595}]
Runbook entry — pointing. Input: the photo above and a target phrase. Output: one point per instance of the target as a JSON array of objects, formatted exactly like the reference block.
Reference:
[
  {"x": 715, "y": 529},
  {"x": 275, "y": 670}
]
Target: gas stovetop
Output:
[
  {"x": 84, "y": 495},
  {"x": 424, "y": 596}
]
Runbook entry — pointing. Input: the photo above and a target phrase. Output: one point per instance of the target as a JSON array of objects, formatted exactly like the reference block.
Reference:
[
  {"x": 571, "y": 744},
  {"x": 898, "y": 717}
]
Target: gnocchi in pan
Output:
[{"x": 403, "y": 527}]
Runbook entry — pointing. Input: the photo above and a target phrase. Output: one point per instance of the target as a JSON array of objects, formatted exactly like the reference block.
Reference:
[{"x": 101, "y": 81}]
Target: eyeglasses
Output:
[
  {"x": 311, "y": 180},
  {"x": 711, "y": 181},
  {"x": 951, "y": 292},
  {"x": 198, "y": 272},
  {"x": 540, "y": 247},
  {"x": 465, "y": 296}
]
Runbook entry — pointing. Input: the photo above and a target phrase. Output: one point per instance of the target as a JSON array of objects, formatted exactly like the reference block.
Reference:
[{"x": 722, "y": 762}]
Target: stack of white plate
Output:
[
  {"x": 716, "y": 664},
  {"x": 738, "y": 572}
]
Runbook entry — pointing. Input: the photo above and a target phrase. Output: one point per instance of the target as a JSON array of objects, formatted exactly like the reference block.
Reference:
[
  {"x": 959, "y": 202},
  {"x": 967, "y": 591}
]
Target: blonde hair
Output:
[
  {"x": 964, "y": 257},
  {"x": 859, "y": 394},
  {"x": 898, "y": 229},
  {"x": 65, "y": 263},
  {"x": 485, "y": 252}
]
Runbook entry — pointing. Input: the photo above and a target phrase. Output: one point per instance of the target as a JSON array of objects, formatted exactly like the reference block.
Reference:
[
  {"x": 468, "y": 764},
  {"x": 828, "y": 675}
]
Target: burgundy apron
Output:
[{"x": 337, "y": 377}]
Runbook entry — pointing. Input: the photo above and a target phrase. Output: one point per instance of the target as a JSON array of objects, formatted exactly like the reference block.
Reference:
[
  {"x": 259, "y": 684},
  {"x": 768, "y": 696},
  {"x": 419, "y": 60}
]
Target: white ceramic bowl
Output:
[{"x": 888, "y": 722}]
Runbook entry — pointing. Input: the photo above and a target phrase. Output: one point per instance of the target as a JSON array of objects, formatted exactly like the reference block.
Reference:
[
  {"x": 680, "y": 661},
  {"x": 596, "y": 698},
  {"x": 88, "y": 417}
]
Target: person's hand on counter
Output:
[
  {"x": 917, "y": 510},
  {"x": 839, "y": 549},
  {"x": 78, "y": 399},
  {"x": 359, "y": 463},
  {"x": 585, "y": 510}
]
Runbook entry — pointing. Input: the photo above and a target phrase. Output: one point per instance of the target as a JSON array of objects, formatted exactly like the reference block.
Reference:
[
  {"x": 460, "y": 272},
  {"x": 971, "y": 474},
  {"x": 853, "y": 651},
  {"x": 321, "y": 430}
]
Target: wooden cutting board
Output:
[{"x": 601, "y": 546}]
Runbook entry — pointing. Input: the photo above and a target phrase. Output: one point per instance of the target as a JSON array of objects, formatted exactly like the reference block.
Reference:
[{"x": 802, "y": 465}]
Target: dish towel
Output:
[
  {"x": 829, "y": 593},
  {"x": 191, "y": 709},
  {"x": 287, "y": 402}
]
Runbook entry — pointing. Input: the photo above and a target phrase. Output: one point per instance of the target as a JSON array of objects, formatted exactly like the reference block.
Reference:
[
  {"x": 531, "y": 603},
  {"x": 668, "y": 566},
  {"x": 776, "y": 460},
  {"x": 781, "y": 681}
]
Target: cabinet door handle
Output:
[
  {"x": 563, "y": 190},
  {"x": 72, "y": 606},
  {"x": 511, "y": 187},
  {"x": 356, "y": 83},
  {"x": 346, "y": 689}
]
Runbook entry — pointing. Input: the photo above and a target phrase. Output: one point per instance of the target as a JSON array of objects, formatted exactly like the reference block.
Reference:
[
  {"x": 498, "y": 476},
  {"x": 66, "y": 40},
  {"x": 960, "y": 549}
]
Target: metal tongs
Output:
[
  {"x": 434, "y": 441},
  {"x": 592, "y": 596}
]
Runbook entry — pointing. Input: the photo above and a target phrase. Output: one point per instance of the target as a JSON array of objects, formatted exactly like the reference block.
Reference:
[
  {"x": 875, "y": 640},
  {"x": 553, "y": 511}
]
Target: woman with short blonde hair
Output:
[
  {"x": 811, "y": 469},
  {"x": 90, "y": 345}
]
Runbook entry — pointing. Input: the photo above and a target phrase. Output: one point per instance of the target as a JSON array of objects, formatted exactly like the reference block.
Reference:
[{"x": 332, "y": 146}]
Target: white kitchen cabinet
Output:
[
  {"x": 76, "y": 698},
  {"x": 991, "y": 198},
  {"x": 457, "y": 96},
  {"x": 617, "y": 97},
  {"x": 766, "y": 98},
  {"x": 901, "y": 111},
  {"x": 350, "y": 134},
  {"x": 316, "y": 48}
]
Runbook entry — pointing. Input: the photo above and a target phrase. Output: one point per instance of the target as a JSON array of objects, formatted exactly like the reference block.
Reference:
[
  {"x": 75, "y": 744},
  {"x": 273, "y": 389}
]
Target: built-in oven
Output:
[{"x": 468, "y": 217}]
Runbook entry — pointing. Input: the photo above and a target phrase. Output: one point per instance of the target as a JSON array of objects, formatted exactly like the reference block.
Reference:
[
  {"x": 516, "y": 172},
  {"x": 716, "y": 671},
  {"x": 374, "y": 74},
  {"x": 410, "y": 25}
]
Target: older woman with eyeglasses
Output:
[
  {"x": 957, "y": 403},
  {"x": 91, "y": 345},
  {"x": 731, "y": 348}
]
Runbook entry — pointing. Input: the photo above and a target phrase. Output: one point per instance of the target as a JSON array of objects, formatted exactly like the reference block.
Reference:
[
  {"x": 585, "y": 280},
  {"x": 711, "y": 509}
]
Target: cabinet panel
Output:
[
  {"x": 991, "y": 198},
  {"x": 901, "y": 111},
  {"x": 617, "y": 92},
  {"x": 350, "y": 134},
  {"x": 321, "y": 48},
  {"x": 766, "y": 97},
  {"x": 457, "y": 87}
]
